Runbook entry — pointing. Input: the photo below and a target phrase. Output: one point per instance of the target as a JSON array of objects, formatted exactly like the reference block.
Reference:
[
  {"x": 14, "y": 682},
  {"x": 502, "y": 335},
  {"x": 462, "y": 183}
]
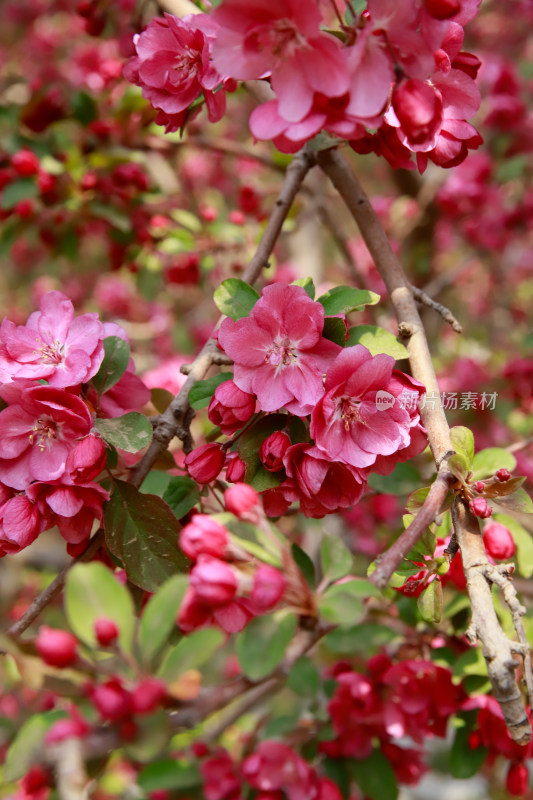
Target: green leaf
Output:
[
  {"x": 429, "y": 602},
  {"x": 416, "y": 500},
  {"x": 114, "y": 364},
  {"x": 202, "y": 391},
  {"x": 490, "y": 460},
  {"x": 523, "y": 541},
  {"x": 118, "y": 219},
  {"x": 169, "y": 774},
  {"x": 342, "y": 603},
  {"x": 403, "y": 480},
  {"x": 261, "y": 645},
  {"x": 84, "y": 108},
  {"x": 518, "y": 501},
  {"x": 465, "y": 762},
  {"x": 153, "y": 734},
  {"x": 463, "y": 443},
  {"x": 375, "y": 777},
  {"x": 28, "y": 741},
  {"x": 235, "y": 298},
  {"x": 459, "y": 466},
  {"x": 161, "y": 399},
  {"x": 191, "y": 652},
  {"x": 159, "y": 617},
  {"x": 343, "y": 299},
  {"x": 91, "y": 592},
  {"x": 262, "y": 479},
  {"x": 304, "y": 564},
  {"x": 142, "y": 532},
  {"x": 130, "y": 432},
  {"x": 335, "y": 330},
  {"x": 337, "y": 559},
  {"x": 156, "y": 482},
  {"x": 367, "y": 639},
  {"x": 304, "y": 678},
  {"x": 377, "y": 340},
  {"x": 471, "y": 662},
  {"x": 13, "y": 193},
  {"x": 181, "y": 494},
  {"x": 307, "y": 284}
]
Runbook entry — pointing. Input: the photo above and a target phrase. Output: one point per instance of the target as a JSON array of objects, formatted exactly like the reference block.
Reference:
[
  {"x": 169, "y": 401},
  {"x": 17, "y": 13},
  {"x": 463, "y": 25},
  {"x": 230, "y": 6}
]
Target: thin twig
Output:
[
  {"x": 171, "y": 422},
  {"x": 54, "y": 588},
  {"x": 421, "y": 296},
  {"x": 387, "y": 563}
]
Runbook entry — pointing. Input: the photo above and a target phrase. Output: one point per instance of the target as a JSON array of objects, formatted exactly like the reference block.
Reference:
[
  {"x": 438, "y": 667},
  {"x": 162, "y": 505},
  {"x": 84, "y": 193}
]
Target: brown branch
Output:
[
  {"x": 498, "y": 650},
  {"x": 423, "y": 298},
  {"x": 54, "y": 588},
  {"x": 173, "y": 421},
  {"x": 387, "y": 563}
]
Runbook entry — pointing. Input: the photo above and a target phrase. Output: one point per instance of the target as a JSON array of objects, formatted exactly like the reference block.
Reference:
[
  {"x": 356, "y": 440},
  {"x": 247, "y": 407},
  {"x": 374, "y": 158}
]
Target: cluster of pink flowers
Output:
[
  {"x": 274, "y": 770},
  {"x": 51, "y": 454},
  {"x": 390, "y": 701},
  {"x": 397, "y": 68},
  {"x": 363, "y": 415},
  {"x": 223, "y": 589}
]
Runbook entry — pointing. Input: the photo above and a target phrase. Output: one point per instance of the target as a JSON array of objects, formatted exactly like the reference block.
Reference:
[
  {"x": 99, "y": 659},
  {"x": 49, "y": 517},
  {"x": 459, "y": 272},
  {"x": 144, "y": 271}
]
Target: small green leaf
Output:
[
  {"x": 337, "y": 559},
  {"x": 342, "y": 603},
  {"x": 377, "y": 340},
  {"x": 142, "y": 532},
  {"x": 13, "y": 193},
  {"x": 161, "y": 399},
  {"x": 459, "y": 466},
  {"x": 490, "y": 460},
  {"x": 114, "y": 364},
  {"x": 343, "y": 299},
  {"x": 169, "y": 774},
  {"x": 26, "y": 744},
  {"x": 465, "y": 761},
  {"x": 181, "y": 494},
  {"x": 307, "y": 284},
  {"x": 367, "y": 639},
  {"x": 262, "y": 479},
  {"x": 523, "y": 541},
  {"x": 84, "y": 108},
  {"x": 403, "y": 480},
  {"x": 156, "y": 482},
  {"x": 374, "y": 776},
  {"x": 304, "y": 564},
  {"x": 463, "y": 443},
  {"x": 151, "y": 739},
  {"x": 159, "y": 617},
  {"x": 416, "y": 500},
  {"x": 335, "y": 330},
  {"x": 304, "y": 678},
  {"x": 191, "y": 652},
  {"x": 202, "y": 391},
  {"x": 235, "y": 298},
  {"x": 130, "y": 432},
  {"x": 429, "y": 602},
  {"x": 91, "y": 592},
  {"x": 519, "y": 501},
  {"x": 261, "y": 645}
]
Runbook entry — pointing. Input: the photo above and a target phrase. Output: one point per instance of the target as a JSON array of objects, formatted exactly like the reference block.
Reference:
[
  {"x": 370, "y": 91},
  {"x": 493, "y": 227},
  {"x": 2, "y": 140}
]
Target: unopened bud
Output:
[
  {"x": 479, "y": 486},
  {"x": 479, "y": 508},
  {"x": 106, "y": 631},
  {"x": 57, "y": 648},
  {"x": 503, "y": 474},
  {"x": 205, "y": 462},
  {"x": 243, "y": 501}
]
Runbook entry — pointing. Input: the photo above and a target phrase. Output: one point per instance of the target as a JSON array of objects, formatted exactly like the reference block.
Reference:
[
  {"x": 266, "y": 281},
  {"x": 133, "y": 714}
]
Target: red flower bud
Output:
[
  {"x": 499, "y": 541},
  {"x": 479, "y": 486},
  {"x": 243, "y": 501},
  {"x": 112, "y": 700},
  {"x": 205, "y": 462},
  {"x": 73, "y": 727},
  {"x": 36, "y": 778},
  {"x": 25, "y": 163},
  {"x": 273, "y": 449},
  {"x": 230, "y": 407},
  {"x": 418, "y": 106},
  {"x": 204, "y": 536},
  {"x": 106, "y": 631},
  {"x": 148, "y": 695},
  {"x": 479, "y": 508},
  {"x": 442, "y": 9},
  {"x": 213, "y": 581},
  {"x": 57, "y": 648},
  {"x": 503, "y": 474},
  {"x": 268, "y": 587},
  {"x": 517, "y": 779}
]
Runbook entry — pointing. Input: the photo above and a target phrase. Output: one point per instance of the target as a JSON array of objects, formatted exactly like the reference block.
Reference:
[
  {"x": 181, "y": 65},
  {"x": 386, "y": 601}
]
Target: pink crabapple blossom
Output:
[{"x": 279, "y": 351}]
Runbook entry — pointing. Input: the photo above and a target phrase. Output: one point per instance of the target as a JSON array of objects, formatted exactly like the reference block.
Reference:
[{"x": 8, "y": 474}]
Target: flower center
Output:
[
  {"x": 186, "y": 62},
  {"x": 282, "y": 39},
  {"x": 44, "y": 430},
  {"x": 281, "y": 354},
  {"x": 349, "y": 410},
  {"x": 50, "y": 353}
]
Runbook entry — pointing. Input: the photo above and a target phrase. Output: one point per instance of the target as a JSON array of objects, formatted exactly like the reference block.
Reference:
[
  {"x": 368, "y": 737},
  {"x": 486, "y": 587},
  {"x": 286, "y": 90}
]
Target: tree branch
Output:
[
  {"x": 498, "y": 650},
  {"x": 446, "y": 314}
]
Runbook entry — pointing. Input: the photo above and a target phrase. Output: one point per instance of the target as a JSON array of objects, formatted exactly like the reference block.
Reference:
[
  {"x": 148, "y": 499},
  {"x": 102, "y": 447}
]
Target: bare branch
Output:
[
  {"x": 446, "y": 314},
  {"x": 498, "y": 650}
]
